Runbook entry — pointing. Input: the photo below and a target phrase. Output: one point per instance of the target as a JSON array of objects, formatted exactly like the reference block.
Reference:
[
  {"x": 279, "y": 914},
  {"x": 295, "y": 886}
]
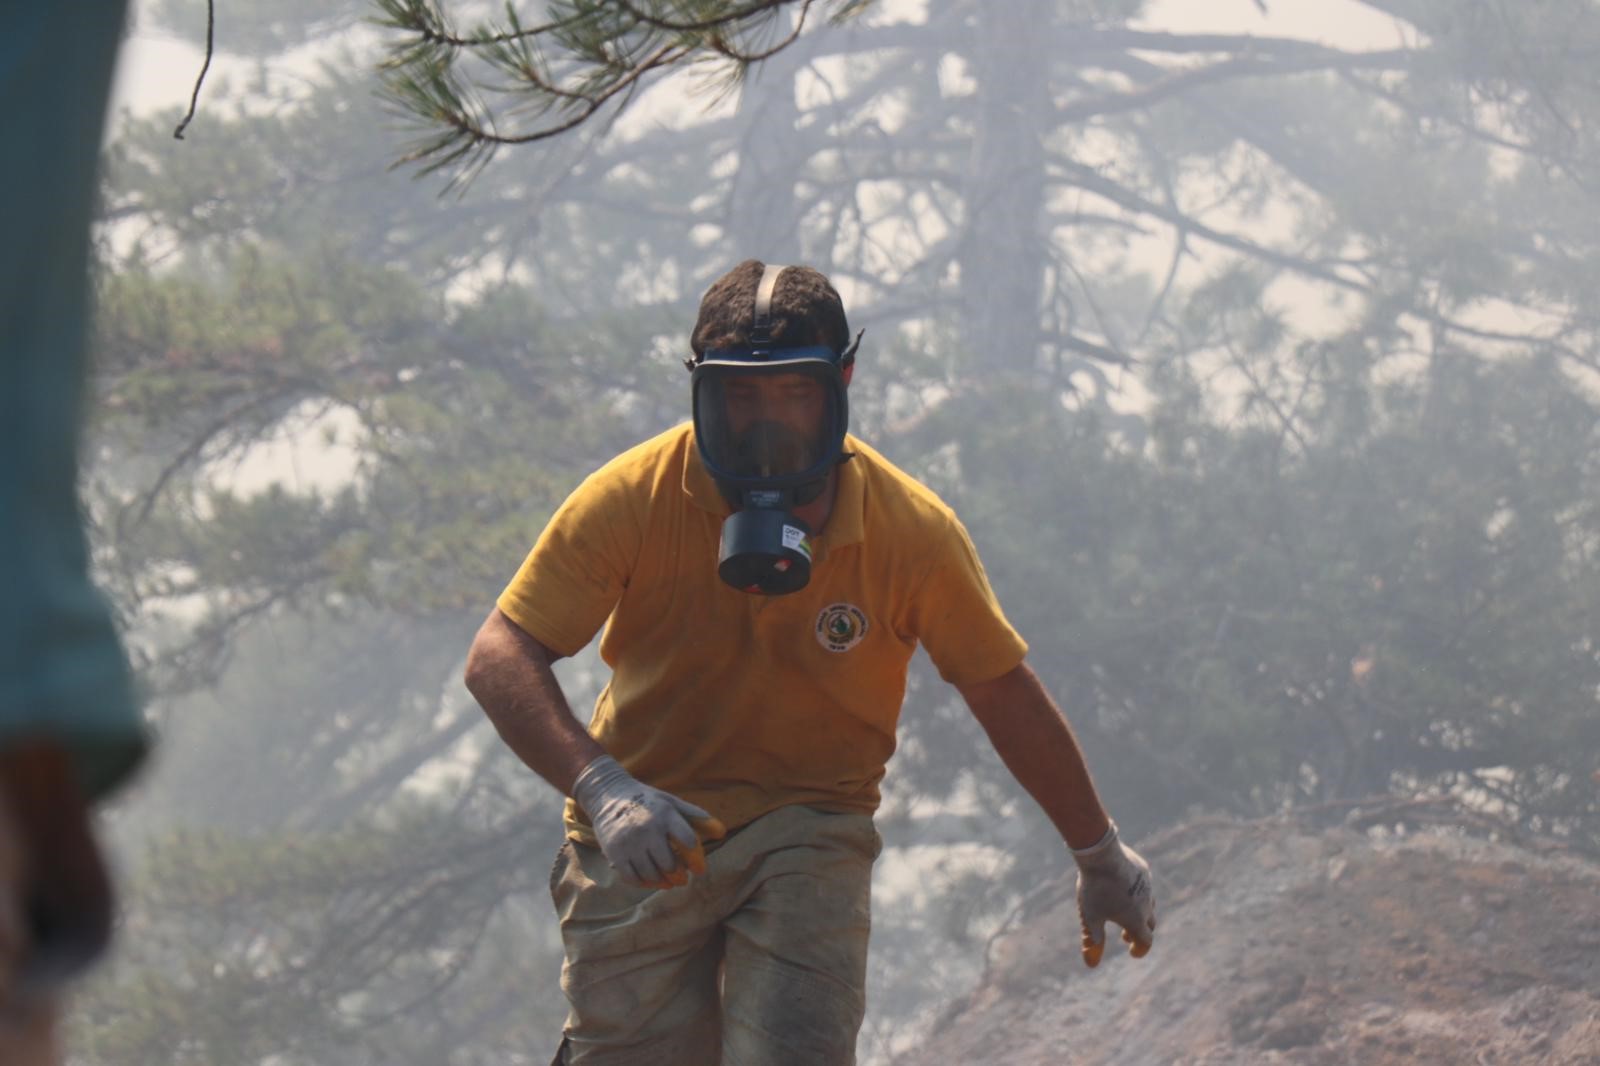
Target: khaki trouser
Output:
[{"x": 761, "y": 961}]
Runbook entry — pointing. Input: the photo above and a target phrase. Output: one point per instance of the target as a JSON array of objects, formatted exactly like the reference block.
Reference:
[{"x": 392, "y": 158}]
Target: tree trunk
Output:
[
  {"x": 763, "y": 211},
  {"x": 1004, "y": 253}
]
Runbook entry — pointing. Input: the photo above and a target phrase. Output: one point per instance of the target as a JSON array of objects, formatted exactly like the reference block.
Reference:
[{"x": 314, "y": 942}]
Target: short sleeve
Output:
[
  {"x": 578, "y": 568},
  {"x": 957, "y": 617}
]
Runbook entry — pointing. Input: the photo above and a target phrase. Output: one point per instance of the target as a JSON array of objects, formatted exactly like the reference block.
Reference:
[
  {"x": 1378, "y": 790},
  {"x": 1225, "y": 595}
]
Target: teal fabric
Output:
[{"x": 63, "y": 674}]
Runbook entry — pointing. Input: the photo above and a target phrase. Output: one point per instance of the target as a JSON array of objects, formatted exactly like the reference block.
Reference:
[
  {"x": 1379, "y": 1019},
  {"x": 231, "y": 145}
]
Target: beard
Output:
[{"x": 772, "y": 449}]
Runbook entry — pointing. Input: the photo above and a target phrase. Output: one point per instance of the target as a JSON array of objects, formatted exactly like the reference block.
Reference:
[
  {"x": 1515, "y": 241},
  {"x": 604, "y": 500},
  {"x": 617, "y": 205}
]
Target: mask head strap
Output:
[
  {"x": 761, "y": 325},
  {"x": 761, "y": 322},
  {"x": 848, "y": 356}
]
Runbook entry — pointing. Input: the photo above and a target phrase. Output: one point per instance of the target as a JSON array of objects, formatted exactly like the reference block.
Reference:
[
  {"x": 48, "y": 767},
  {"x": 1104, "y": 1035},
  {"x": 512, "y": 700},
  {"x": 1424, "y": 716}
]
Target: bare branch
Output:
[{"x": 194, "y": 98}]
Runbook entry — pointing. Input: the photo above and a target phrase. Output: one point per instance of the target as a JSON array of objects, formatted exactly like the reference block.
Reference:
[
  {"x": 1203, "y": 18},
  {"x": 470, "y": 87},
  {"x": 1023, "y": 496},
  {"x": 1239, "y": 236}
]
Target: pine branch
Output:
[{"x": 588, "y": 56}]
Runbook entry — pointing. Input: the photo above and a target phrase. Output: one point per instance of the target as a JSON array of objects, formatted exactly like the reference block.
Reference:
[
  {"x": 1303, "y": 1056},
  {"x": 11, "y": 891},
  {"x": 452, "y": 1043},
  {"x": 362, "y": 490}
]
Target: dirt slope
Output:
[{"x": 1285, "y": 944}]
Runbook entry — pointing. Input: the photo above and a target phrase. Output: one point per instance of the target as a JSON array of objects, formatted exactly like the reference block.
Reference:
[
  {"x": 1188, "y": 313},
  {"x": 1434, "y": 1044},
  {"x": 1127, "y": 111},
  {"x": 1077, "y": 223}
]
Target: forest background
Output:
[{"x": 1258, "y": 352}]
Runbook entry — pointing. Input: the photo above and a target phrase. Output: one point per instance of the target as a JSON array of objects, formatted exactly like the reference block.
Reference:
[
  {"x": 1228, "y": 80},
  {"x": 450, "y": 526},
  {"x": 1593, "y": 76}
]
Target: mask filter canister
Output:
[{"x": 765, "y": 550}]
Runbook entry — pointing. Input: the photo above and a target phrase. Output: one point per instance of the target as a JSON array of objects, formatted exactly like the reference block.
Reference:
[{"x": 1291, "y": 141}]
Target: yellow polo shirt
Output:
[{"x": 744, "y": 703}]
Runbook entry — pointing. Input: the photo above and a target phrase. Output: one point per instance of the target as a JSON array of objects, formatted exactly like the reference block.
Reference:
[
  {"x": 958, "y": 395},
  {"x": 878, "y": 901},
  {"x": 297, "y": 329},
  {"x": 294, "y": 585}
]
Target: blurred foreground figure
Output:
[
  {"x": 764, "y": 578},
  {"x": 69, "y": 728}
]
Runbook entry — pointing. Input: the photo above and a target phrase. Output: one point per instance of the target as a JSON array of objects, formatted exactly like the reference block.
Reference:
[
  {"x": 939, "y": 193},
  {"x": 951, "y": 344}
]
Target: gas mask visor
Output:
[{"x": 769, "y": 425}]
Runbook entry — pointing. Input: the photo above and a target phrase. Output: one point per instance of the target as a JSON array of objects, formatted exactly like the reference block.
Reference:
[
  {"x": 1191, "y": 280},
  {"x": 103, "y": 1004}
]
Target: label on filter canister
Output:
[{"x": 794, "y": 539}]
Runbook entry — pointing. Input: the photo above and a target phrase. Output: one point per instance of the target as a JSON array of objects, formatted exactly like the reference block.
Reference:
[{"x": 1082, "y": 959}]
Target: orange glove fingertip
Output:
[
  {"x": 710, "y": 828},
  {"x": 1092, "y": 951},
  {"x": 693, "y": 858}
]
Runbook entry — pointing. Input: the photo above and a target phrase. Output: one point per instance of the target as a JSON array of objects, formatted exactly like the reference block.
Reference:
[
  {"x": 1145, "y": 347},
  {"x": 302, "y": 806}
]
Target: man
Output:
[
  {"x": 69, "y": 728},
  {"x": 766, "y": 579}
]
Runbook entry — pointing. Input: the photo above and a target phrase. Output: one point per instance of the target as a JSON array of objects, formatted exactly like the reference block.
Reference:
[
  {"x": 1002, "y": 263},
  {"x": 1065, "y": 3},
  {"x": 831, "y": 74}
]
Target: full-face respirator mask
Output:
[{"x": 769, "y": 423}]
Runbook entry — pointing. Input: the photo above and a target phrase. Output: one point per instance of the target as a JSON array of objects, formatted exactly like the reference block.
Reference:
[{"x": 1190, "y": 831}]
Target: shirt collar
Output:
[
  {"x": 697, "y": 483},
  {"x": 847, "y": 522}
]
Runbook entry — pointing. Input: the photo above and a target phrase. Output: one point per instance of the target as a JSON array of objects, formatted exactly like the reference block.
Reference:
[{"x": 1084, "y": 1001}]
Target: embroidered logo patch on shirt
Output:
[{"x": 841, "y": 626}]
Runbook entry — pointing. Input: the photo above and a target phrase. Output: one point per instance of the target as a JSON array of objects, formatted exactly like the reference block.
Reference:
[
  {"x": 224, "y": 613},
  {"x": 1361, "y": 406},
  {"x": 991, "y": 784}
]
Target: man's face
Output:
[
  {"x": 795, "y": 401},
  {"x": 776, "y": 422},
  {"x": 758, "y": 421}
]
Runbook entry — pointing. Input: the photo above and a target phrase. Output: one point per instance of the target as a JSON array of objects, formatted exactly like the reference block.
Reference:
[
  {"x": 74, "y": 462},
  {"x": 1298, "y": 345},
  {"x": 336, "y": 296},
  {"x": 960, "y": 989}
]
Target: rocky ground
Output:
[{"x": 1379, "y": 942}]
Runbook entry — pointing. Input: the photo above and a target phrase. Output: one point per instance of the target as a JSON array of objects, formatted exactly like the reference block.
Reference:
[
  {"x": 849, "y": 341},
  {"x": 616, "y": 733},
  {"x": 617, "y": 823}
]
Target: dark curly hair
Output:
[{"x": 806, "y": 309}]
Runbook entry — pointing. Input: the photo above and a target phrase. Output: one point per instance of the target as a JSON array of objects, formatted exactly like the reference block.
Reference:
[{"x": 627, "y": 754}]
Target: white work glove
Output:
[
  {"x": 1114, "y": 886},
  {"x": 644, "y": 832}
]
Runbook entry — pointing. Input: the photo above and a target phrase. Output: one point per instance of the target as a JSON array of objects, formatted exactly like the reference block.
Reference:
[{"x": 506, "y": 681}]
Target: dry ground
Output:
[{"x": 1281, "y": 943}]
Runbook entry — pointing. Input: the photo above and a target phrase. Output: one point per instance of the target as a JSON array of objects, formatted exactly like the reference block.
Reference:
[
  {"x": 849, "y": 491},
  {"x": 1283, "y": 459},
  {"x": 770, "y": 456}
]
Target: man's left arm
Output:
[{"x": 1037, "y": 745}]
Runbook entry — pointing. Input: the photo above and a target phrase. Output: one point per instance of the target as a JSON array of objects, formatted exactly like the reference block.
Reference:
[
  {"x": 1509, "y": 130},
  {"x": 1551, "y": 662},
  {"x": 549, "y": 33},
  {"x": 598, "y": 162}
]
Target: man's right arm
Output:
[
  {"x": 649, "y": 836},
  {"x": 508, "y": 673}
]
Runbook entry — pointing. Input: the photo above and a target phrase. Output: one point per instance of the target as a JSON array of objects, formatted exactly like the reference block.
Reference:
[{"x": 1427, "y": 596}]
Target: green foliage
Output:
[
  {"x": 1244, "y": 619},
  {"x": 349, "y": 946}
]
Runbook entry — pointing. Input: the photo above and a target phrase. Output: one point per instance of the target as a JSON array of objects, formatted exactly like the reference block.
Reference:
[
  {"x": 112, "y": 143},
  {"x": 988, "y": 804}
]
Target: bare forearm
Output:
[
  {"x": 509, "y": 674},
  {"x": 1037, "y": 745}
]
